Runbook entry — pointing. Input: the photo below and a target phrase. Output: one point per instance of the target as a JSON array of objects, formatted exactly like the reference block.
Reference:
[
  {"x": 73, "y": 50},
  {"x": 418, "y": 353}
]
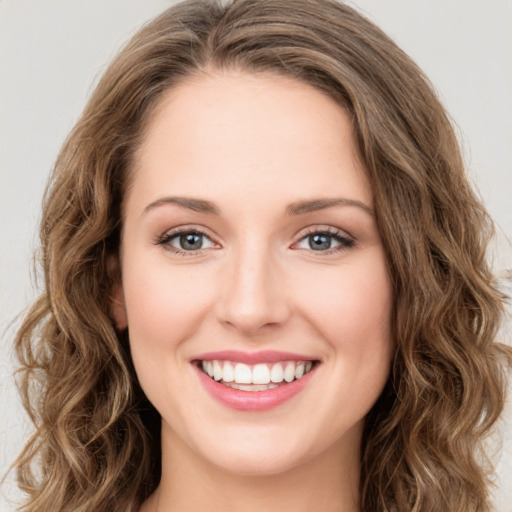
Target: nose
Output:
[{"x": 253, "y": 298}]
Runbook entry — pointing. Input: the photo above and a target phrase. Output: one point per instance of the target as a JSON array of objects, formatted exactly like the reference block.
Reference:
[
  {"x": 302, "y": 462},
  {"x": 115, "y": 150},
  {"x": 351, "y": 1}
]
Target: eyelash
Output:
[
  {"x": 344, "y": 241},
  {"x": 170, "y": 235}
]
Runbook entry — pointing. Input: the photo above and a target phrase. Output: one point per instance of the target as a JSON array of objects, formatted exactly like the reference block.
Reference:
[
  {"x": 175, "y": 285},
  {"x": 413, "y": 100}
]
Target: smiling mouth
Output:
[{"x": 255, "y": 377}]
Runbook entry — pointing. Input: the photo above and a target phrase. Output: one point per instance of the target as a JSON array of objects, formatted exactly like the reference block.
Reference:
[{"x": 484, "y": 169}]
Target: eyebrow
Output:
[
  {"x": 296, "y": 208},
  {"x": 313, "y": 205},
  {"x": 197, "y": 205}
]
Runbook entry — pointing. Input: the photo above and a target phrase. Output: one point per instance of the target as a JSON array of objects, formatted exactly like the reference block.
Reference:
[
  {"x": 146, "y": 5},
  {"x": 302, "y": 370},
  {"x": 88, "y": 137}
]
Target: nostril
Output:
[{"x": 254, "y": 302}]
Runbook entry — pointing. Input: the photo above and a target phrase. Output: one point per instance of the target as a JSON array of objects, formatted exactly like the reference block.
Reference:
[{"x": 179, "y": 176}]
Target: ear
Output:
[
  {"x": 117, "y": 303},
  {"x": 117, "y": 306}
]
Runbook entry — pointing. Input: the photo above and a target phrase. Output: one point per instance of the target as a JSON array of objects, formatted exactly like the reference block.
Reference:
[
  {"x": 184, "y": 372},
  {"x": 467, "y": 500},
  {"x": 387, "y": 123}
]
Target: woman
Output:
[{"x": 266, "y": 283}]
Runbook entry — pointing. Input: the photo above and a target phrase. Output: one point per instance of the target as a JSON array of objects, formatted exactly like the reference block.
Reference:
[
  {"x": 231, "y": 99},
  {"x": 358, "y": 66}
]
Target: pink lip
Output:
[
  {"x": 264, "y": 356},
  {"x": 253, "y": 400}
]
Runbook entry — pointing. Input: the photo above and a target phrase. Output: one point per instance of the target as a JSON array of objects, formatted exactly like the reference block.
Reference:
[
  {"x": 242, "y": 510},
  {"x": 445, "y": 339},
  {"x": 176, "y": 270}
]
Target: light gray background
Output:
[{"x": 53, "y": 51}]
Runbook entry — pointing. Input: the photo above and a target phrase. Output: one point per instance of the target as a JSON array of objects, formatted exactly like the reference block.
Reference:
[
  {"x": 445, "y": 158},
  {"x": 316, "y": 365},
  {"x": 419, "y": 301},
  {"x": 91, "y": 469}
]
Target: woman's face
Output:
[{"x": 250, "y": 247}]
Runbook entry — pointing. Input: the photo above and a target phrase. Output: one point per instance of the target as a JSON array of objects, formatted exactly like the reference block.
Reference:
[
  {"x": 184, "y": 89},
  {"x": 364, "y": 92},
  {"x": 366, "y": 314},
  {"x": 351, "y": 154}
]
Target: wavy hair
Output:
[{"x": 96, "y": 441}]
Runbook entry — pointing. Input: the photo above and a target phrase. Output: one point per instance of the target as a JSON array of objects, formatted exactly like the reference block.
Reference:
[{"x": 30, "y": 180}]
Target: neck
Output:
[{"x": 328, "y": 482}]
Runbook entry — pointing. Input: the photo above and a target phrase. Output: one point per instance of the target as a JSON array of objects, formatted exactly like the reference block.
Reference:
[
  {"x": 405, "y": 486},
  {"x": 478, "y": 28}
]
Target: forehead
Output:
[{"x": 216, "y": 133}]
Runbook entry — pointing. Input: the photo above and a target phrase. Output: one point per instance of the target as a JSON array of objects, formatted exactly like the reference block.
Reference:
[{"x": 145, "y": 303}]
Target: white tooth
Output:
[
  {"x": 289, "y": 371},
  {"x": 260, "y": 374},
  {"x": 243, "y": 387},
  {"x": 276, "y": 373},
  {"x": 252, "y": 387},
  {"x": 209, "y": 368},
  {"x": 228, "y": 375},
  {"x": 217, "y": 370},
  {"x": 243, "y": 374},
  {"x": 204, "y": 365},
  {"x": 299, "y": 370},
  {"x": 309, "y": 364}
]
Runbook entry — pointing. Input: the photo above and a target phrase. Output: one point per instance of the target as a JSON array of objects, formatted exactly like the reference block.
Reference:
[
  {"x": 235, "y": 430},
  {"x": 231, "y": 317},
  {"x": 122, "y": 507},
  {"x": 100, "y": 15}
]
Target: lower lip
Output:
[{"x": 253, "y": 400}]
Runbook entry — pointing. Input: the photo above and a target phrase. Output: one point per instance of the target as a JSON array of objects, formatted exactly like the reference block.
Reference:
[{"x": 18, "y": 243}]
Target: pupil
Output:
[
  {"x": 191, "y": 241},
  {"x": 319, "y": 242}
]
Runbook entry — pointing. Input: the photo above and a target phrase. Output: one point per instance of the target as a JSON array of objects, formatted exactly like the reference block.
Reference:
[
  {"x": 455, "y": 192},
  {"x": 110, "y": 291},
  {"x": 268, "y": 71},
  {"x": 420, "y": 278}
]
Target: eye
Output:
[
  {"x": 183, "y": 242},
  {"x": 325, "y": 241}
]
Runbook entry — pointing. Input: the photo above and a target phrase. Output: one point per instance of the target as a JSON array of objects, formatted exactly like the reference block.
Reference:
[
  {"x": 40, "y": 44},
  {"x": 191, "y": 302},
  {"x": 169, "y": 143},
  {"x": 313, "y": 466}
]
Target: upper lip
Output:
[{"x": 263, "y": 356}]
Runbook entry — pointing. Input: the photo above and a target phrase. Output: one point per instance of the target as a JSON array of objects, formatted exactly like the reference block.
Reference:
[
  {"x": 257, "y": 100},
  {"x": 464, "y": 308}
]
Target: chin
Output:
[
  {"x": 253, "y": 463},
  {"x": 257, "y": 453}
]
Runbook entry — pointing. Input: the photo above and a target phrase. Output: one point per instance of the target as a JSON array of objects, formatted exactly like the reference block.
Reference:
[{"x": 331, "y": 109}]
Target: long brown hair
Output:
[{"x": 96, "y": 441}]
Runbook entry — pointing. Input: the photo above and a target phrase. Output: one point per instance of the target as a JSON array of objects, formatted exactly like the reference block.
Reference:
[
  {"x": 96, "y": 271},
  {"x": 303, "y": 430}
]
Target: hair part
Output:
[{"x": 96, "y": 441}]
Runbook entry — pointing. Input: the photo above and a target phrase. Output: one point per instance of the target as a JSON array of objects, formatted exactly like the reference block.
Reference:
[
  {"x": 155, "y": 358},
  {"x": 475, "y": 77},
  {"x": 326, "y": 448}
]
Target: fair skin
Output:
[{"x": 258, "y": 270}]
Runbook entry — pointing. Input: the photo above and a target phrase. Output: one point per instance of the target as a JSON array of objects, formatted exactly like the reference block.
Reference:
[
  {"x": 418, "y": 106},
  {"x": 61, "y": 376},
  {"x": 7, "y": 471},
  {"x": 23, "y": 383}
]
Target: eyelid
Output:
[
  {"x": 324, "y": 228},
  {"x": 345, "y": 240},
  {"x": 168, "y": 235}
]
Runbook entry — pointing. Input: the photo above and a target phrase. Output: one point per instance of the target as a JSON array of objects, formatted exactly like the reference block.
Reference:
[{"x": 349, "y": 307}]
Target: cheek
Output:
[
  {"x": 349, "y": 303},
  {"x": 164, "y": 305},
  {"x": 353, "y": 314}
]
